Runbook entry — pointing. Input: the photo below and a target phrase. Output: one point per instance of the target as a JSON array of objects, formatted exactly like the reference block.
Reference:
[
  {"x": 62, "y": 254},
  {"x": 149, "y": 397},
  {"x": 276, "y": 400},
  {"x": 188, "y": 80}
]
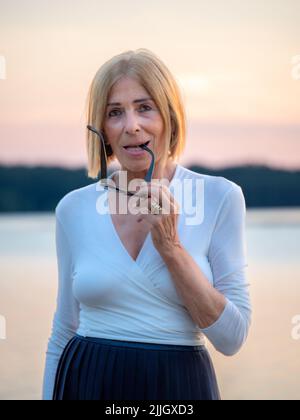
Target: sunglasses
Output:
[{"x": 103, "y": 175}]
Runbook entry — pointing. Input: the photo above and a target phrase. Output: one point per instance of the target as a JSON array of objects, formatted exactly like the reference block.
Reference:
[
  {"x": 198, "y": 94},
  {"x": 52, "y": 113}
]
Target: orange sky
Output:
[{"x": 237, "y": 63}]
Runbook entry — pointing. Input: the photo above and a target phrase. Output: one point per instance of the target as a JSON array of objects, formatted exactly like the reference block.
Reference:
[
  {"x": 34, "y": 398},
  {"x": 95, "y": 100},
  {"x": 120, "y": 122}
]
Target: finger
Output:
[
  {"x": 166, "y": 200},
  {"x": 160, "y": 194}
]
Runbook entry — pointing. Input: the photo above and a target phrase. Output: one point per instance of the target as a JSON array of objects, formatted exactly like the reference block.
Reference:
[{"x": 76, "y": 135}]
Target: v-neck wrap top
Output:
[{"x": 104, "y": 292}]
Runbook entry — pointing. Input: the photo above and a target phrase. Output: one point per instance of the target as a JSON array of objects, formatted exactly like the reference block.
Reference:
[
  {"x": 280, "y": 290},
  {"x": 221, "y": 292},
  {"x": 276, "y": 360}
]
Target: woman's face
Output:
[{"x": 132, "y": 118}]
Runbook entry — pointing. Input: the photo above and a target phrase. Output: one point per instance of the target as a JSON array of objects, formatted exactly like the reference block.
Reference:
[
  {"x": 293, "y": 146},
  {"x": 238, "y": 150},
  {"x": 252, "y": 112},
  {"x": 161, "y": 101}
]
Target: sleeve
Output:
[
  {"x": 227, "y": 257},
  {"x": 65, "y": 321}
]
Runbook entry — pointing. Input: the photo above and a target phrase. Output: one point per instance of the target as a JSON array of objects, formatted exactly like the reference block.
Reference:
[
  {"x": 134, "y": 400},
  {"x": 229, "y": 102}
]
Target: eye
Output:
[
  {"x": 146, "y": 106},
  {"x": 111, "y": 113}
]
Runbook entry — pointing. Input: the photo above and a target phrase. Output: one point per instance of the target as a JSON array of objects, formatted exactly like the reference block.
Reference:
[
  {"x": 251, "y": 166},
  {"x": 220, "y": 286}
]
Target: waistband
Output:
[{"x": 141, "y": 345}]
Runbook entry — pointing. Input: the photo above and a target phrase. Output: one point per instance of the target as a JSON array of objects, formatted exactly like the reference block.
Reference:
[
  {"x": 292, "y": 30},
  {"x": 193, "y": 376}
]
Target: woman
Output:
[{"x": 140, "y": 289}]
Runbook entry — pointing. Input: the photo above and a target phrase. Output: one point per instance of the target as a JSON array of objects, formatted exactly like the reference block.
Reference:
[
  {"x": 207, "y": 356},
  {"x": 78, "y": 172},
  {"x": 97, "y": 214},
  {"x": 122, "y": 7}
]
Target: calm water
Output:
[{"x": 268, "y": 366}]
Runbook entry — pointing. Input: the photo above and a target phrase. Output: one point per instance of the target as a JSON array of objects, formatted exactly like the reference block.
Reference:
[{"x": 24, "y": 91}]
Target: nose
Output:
[{"x": 131, "y": 123}]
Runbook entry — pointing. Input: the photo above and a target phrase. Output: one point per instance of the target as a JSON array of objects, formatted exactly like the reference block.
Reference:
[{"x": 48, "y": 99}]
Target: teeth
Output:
[{"x": 137, "y": 147}]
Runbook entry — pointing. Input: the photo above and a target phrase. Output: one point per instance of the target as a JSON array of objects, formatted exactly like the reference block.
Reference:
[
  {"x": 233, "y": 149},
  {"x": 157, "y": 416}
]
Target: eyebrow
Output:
[{"x": 134, "y": 102}]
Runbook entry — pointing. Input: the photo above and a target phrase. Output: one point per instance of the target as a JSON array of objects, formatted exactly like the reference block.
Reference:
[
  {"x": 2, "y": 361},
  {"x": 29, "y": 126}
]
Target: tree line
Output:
[{"x": 39, "y": 188}]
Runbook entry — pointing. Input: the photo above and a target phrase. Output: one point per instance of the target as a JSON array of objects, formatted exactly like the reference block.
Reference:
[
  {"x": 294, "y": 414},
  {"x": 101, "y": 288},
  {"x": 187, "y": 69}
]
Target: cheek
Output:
[
  {"x": 112, "y": 130},
  {"x": 157, "y": 130},
  {"x": 158, "y": 122}
]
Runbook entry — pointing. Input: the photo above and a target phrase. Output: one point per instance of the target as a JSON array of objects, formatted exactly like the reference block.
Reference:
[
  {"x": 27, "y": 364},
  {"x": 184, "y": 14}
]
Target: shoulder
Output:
[
  {"x": 74, "y": 199},
  {"x": 216, "y": 187}
]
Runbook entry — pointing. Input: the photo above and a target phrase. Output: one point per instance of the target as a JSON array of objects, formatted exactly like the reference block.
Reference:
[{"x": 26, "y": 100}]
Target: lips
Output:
[{"x": 137, "y": 145}]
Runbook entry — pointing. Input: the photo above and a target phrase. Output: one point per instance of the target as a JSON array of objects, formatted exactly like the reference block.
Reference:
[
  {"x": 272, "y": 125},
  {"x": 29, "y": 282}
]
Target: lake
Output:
[{"x": 267, "y": 367}]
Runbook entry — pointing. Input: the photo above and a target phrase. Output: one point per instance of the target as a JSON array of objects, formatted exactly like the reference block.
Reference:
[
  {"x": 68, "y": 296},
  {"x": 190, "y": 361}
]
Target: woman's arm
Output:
[
  {"x": 223, "y": 311},
  {"x": 204, "y": 303},
  {"x": 65, "y": 320}
]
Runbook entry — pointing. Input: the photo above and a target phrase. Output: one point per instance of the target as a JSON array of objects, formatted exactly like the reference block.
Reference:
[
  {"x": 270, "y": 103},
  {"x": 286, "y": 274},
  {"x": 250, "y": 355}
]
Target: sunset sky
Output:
[{"x": 237, "y": 63}]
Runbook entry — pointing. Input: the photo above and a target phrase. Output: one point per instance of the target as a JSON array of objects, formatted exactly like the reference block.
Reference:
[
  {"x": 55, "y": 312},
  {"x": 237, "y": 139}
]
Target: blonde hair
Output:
[{"x": 156, "y": 78}]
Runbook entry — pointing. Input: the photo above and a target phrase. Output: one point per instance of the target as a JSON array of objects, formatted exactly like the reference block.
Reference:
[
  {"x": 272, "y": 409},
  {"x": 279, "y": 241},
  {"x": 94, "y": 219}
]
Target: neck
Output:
[{"x": 159, "y": 172}]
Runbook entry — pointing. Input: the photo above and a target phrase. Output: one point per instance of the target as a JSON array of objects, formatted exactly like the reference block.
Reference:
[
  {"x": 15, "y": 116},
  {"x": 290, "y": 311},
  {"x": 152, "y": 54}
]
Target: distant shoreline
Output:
[{"x": 39, "y": 188}]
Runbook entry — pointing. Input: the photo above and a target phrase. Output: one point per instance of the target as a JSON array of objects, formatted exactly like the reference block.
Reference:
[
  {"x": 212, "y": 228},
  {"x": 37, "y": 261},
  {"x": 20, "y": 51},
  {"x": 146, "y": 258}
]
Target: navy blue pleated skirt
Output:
[{"x": 102, "y": 369}]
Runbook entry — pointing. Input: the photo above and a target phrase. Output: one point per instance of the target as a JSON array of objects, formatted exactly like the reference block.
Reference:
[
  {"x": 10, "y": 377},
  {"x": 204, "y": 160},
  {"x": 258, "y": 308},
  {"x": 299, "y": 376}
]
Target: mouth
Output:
[{"x": 136, "y": 146}]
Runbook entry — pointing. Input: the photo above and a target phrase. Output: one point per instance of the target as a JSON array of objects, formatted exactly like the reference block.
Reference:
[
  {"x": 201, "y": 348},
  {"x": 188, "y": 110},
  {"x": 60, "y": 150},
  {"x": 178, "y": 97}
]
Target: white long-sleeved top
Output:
[{"x": 104, "y": 292}]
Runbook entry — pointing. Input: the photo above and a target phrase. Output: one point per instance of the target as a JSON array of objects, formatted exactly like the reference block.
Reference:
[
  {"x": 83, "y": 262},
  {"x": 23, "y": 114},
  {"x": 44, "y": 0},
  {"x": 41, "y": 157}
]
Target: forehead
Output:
[{"x": 127, "y": 89}]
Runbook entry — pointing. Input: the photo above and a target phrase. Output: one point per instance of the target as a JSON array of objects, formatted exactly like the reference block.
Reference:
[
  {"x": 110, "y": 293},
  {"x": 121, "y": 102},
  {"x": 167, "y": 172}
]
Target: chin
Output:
[{"x": 138, "y": 167}]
